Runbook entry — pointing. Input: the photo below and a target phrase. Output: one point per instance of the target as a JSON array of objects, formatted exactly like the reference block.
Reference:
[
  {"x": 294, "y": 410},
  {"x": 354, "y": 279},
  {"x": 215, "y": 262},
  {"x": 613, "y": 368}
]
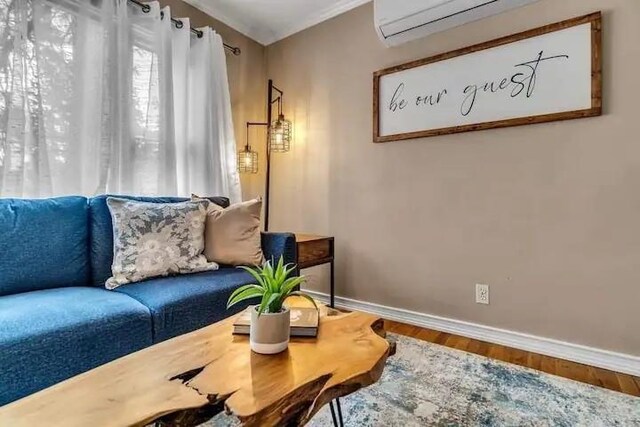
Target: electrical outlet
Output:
[{"x": 482, "y": 293}]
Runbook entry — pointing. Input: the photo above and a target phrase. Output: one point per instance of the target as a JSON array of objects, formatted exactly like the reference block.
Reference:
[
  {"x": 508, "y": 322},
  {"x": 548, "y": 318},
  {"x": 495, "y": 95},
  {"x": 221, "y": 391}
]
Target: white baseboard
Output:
[{"x": 618, "y": 362}]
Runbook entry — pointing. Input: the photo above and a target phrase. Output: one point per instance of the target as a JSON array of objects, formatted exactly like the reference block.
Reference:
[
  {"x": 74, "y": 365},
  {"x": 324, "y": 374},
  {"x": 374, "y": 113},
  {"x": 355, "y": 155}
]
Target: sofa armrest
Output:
[{"x": 275, "y": 245}]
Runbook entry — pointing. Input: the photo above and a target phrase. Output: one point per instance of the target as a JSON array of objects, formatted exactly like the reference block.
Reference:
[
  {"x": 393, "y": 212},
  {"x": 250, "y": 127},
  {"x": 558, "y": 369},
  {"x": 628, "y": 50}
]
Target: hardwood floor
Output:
[{"x": 576, "y": 371}]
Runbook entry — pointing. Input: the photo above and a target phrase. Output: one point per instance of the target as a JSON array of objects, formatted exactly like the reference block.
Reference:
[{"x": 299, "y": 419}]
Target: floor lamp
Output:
[{"x": 279, "y": 132}]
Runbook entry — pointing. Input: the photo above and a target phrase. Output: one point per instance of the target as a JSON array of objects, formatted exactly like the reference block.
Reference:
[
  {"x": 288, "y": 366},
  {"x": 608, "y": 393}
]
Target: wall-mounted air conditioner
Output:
[{"x": 399, "y": 21}]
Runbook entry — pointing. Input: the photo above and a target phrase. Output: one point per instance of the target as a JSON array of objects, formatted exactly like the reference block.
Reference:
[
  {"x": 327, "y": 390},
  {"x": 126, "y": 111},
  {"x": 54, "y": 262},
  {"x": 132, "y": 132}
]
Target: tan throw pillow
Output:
[{"x": 232, "y": 235}]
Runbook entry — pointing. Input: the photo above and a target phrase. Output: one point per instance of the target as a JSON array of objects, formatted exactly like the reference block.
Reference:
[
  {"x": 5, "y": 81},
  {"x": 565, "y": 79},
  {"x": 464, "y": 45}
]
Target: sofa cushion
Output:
[
  {"x": 101, "y": 231},
  {"x": 182, "y": 304},
  {"x": 44, "y": 244},
  {"x": 50, "y": 335}
]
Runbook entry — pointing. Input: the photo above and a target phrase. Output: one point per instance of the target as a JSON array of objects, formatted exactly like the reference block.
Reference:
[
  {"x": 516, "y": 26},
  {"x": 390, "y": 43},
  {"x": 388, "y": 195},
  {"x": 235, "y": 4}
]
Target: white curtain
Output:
[{"x": 98, "y": 96}]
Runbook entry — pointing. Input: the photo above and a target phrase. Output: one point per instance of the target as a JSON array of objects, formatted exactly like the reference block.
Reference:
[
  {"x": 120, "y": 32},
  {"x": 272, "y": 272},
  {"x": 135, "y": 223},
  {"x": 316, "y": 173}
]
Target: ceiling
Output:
[{"x": 267, "y": 21}]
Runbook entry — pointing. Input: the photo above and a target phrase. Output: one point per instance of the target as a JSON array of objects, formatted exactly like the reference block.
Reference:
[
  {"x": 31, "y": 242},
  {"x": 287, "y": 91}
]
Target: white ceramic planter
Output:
[{"x": 269, "y": 332}]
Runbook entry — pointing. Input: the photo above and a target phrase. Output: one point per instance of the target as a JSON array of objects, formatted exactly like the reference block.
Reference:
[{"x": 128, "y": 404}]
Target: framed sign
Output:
[{"x": 546, "y": 74}]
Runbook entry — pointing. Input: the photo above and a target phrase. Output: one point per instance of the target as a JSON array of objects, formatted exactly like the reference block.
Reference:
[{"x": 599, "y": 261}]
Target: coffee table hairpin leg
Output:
[{"x": 337, "y": 422}]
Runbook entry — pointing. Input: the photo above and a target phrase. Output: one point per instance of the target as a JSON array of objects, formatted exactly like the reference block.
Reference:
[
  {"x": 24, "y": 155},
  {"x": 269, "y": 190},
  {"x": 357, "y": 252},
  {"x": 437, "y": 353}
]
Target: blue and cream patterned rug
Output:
[{"x": 426, "y": 384}]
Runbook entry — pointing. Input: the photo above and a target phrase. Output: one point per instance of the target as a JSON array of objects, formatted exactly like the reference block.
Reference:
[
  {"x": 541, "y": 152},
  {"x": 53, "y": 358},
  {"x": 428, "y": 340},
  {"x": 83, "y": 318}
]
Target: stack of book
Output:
[{"x": 304, "y": 322}]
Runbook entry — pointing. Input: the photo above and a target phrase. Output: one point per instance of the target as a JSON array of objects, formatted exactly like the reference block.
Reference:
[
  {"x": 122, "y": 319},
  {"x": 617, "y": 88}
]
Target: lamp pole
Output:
[
  {"x": 271, "y": 88},
  {"x": 282, "y": 141},
  {"x": 268, "y": 177}
]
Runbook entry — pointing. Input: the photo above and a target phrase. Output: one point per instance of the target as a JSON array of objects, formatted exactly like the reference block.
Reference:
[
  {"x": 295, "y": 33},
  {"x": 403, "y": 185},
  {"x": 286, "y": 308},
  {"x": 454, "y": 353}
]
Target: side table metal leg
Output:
[{"x": 333, "y": 287}]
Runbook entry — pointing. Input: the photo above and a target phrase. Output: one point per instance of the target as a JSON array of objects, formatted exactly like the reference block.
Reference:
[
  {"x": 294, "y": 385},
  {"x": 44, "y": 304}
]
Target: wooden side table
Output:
[{"x": 317, "y": 250}]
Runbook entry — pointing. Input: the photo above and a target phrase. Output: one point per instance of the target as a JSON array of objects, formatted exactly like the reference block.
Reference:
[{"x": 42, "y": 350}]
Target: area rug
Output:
[{"x": 427, "y": 384}]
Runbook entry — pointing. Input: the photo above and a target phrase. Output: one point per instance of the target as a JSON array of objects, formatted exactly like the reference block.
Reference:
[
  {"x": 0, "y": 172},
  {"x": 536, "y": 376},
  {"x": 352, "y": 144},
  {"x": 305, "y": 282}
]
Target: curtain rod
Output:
[{"x": 179, "y": 24}]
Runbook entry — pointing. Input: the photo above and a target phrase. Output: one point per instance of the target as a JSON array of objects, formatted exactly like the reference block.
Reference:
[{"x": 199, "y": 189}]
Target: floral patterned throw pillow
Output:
[{"x": 156, "y": 239}]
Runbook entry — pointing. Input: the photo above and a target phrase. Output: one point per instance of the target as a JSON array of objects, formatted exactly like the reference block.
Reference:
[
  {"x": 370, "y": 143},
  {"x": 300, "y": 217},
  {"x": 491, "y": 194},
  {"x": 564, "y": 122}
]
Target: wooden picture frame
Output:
[{"x": 596, "y": 82}]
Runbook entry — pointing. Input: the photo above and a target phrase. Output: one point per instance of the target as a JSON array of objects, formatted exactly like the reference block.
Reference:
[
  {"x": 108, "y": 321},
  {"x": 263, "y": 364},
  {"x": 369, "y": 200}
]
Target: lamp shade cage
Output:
[
  {"x": 280, "y": 135},
  {"x": 247, "y": 160}
]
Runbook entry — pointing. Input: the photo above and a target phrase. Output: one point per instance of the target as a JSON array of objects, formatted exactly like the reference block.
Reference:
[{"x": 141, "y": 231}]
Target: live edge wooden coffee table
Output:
[{"x": 187, "y": 380}]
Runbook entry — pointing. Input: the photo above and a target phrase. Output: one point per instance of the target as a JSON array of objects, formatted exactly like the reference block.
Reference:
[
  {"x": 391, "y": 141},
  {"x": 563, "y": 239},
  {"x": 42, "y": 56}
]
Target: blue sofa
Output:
[{"x": 56, "y": 318}]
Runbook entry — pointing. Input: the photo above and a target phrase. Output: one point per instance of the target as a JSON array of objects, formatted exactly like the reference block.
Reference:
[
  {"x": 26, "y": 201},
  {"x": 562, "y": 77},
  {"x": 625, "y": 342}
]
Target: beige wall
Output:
[
  {"x": 247, "y": 84},
  {"x": 547, "y": 215}
]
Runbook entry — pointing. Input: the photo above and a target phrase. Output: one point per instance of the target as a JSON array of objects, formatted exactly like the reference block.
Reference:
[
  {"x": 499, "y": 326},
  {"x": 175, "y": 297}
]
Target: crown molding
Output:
[
  {"x": 266, "y": 36},
  {"x": 318, "y": 17}
]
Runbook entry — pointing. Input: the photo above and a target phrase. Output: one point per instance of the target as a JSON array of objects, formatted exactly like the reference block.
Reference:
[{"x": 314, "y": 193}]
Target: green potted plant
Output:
[{"x": 270, "y": 320}]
